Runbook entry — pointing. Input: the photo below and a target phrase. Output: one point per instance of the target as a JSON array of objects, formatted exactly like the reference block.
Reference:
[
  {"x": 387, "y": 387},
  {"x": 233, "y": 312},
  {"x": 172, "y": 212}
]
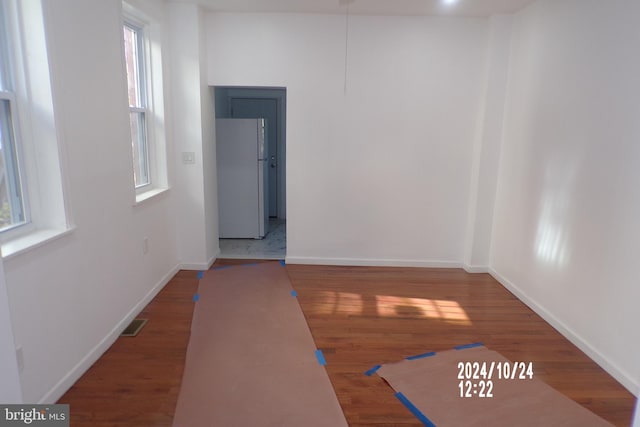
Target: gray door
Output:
[{"x": 267, "y": 108}]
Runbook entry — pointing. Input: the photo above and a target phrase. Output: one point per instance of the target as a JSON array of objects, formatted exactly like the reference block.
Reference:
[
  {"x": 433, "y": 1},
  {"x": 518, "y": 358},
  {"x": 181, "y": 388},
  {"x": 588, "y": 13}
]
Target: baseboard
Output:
[
  {"x": 268, "y": 257},
  {"x": 620, "y": 375},
  {"x": 368, "y": 262},
  {"x": 475, "y": 268},
  {"x": 96, "y": 352},
  {"x": 199, "y": 266}
]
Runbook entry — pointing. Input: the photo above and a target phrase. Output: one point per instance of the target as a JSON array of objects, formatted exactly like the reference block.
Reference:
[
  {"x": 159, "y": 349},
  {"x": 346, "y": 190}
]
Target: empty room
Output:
[{"x": 431, "y": 217}]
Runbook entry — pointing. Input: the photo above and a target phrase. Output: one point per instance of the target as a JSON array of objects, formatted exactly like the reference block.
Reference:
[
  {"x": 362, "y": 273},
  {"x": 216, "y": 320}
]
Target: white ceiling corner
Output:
[{"x": 479, "y": 8}]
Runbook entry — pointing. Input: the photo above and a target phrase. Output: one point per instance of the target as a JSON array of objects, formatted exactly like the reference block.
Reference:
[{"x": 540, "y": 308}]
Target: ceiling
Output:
[{"x": 368, "y": 7}]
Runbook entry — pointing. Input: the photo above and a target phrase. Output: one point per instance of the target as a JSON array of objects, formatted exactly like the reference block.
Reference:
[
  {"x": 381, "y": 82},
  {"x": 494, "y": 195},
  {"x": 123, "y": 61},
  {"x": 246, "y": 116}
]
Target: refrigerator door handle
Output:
[{"x": 262, "y": 155}]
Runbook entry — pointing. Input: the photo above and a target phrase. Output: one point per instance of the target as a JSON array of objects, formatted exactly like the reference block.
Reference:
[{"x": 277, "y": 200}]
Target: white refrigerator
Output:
[{"x": 241, "y": 157}]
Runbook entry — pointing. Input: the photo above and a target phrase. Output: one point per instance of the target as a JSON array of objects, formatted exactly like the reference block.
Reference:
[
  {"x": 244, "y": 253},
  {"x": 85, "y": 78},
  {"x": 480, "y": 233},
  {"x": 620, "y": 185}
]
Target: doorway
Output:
[{"x": 270, "y": 104}]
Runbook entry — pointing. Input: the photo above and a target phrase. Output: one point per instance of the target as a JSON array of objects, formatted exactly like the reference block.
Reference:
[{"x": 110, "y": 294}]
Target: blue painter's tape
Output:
[
  {"x": 222, "y": 267},
  {"x": 320, "y": 357},
  {"x": 373, "y": 370},
  {"x": 282, "y": 263},
  {"x": 196, "y": 297},
  {"x": 200, "y": 274},
  {"x": 421, "y": 356},
  {"x": 463, "y": 347},
  {"x": 415, "y": 411},
  {"x": 294, "y": 294}
]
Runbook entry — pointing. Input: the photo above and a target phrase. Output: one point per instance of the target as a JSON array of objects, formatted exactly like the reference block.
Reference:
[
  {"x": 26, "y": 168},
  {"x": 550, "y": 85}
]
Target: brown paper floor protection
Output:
[
  {"x": 251, "y": 357},
  {"x": 432, "y": 384}
]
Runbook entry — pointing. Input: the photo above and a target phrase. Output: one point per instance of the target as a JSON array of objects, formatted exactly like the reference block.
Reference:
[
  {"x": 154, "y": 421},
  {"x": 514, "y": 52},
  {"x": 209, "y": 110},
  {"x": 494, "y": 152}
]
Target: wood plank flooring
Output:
[
  {"x": 137, "y": 381},
  {"x": 359, "y": 317}
]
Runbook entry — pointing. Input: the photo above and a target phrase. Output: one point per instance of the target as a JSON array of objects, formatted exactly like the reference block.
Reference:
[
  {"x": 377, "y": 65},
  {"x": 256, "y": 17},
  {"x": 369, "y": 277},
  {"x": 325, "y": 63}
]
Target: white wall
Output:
[
  {"x": 486, "y": 150},
  {"x": 210, "y": 187},
  {"x": 70, "y": 298},
  {"x": 381, "y": 174},
  {"x": 566, "y": 232},
  {"x": 10, "y": 389},
  {"x": 193, "y": 116}
]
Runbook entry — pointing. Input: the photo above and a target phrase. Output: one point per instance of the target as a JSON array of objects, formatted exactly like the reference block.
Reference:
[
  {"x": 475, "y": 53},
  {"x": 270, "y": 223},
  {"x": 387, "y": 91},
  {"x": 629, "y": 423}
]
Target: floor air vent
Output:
[{"x": 133, "y": 328}]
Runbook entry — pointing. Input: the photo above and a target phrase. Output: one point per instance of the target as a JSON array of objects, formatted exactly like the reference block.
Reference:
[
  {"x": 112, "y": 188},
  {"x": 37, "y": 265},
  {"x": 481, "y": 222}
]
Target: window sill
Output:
[
  {"x": 31, "y": 241},
  {"x": 150, "y": 194}
]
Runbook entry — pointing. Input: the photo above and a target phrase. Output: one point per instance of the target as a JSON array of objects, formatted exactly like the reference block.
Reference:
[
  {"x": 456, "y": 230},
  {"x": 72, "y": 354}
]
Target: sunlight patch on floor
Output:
[
  {"x": 449, "y": 311},
  {"x": 346, "y": 303},
  {"x": 341, "y": 303}
]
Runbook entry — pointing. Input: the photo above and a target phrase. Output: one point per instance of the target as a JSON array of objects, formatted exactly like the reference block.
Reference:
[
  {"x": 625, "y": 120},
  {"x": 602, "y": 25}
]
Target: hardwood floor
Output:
[
  {"x": 359, "y": 317},
  {"x": 137, "y": 381}
]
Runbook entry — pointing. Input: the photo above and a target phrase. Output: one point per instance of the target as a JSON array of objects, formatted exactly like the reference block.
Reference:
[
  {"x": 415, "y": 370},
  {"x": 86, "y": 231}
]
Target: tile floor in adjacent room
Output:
[{"x": 273, "y": 246}]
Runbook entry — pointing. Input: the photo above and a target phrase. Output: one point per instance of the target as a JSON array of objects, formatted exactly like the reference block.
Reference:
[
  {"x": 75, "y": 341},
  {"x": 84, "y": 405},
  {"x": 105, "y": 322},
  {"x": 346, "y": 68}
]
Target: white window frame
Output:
[
  {"x": 15, "y": 181},
  {"x": 141, "y": 110},
  {"x": 35, "y": 131},
  {"x": 152, "y": 84}
]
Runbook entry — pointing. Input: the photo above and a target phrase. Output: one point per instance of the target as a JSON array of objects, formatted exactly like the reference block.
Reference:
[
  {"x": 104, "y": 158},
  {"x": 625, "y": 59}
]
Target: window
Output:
[
  {"x": 12, "y": 203},
  {"x": 134, "y": 53},
  {"x": 143, "y": 65},
  {"x": 32, "y": 204}
]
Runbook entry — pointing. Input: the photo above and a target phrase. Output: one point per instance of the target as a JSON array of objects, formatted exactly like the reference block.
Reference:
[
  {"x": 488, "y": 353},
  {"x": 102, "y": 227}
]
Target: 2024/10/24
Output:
[{"x": 476, "y": 377}]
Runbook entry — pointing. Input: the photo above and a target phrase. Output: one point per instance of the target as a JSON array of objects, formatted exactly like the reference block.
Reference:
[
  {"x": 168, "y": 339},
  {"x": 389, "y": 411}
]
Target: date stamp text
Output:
[{"x": 476, "y": 379}]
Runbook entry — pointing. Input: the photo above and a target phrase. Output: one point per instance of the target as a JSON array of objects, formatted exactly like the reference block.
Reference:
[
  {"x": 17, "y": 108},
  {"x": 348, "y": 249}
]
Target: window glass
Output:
[
  {"x": 136, "y": 81},
  {"x": 138, "y": 136}
]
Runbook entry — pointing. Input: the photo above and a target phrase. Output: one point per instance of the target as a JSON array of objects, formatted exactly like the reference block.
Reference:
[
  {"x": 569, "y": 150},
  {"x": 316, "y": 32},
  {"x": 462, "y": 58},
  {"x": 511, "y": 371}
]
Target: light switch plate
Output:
[{"x": 188, "y": 157}]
